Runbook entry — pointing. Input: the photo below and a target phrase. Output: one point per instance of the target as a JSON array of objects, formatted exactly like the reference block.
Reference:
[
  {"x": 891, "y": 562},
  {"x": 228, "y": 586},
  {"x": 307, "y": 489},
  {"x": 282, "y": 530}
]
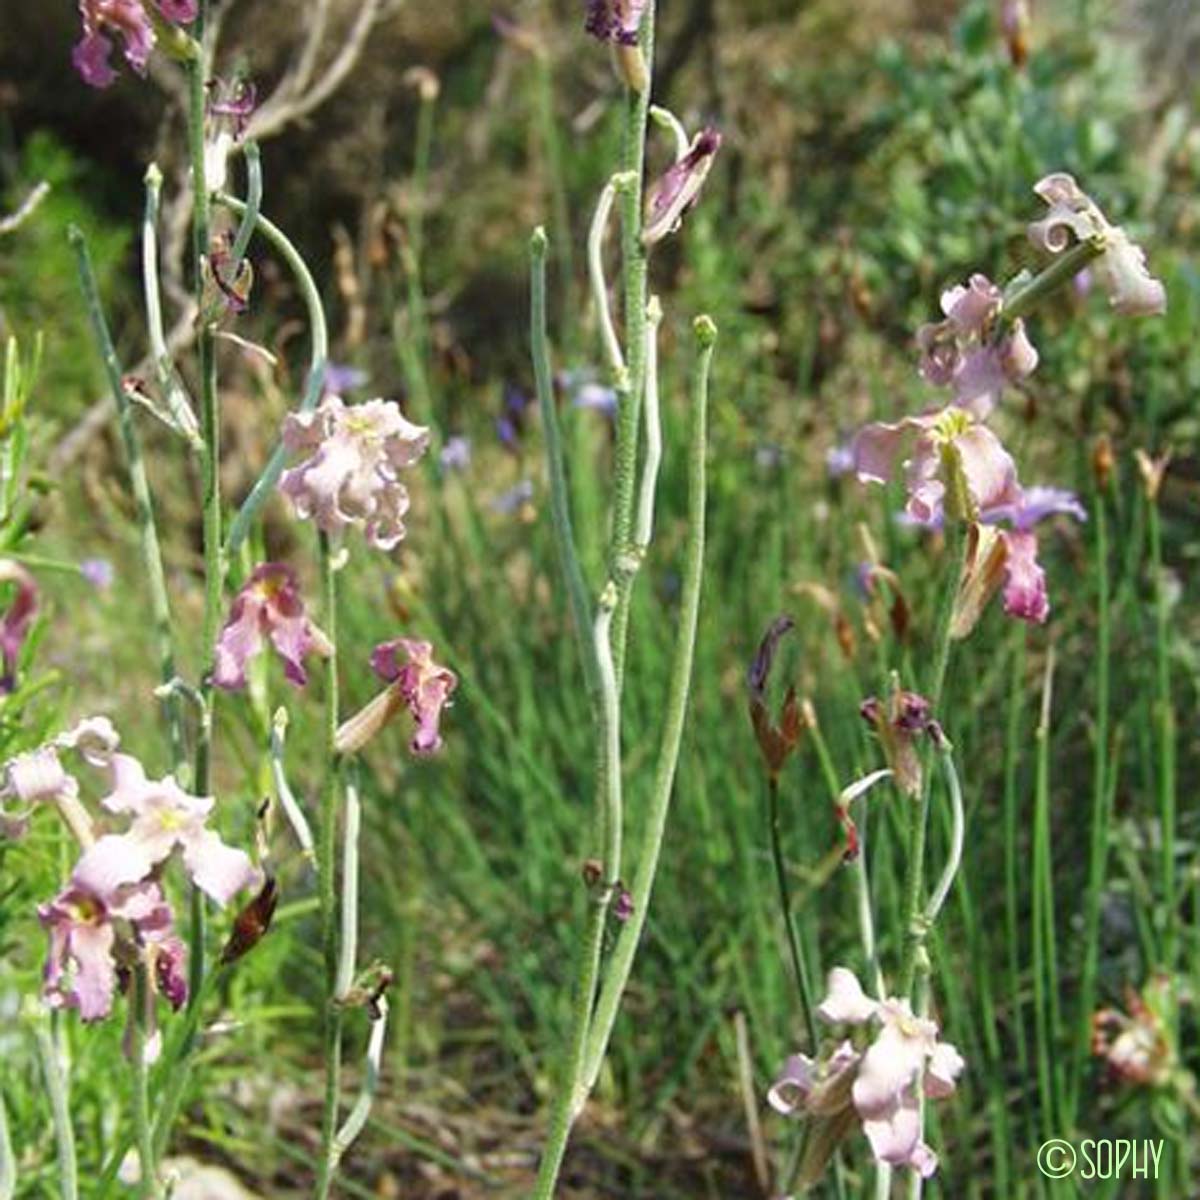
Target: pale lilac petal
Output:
[
  {"x": 1025, "y": 590},
  {"x": 115, "y": 860},
  {"x": 989, "y": 470},
  {"x": 875, "y": 448},
  {"x": 1018, "y": 354},
  {"x": 944, "y": 1067},
  {"x": 94, "y": 738},
  {"x": 890, "y": 1064},
  {"x": 895, "y": 1134},
  {"x": 217, "y": 869},
  {"x": 1035, "y": 504},
  {"x": 793, "y": 1084},
  {"x": 36, "y": 776},
  {"x": 845, "y": 1001},
  {"x": 972, "y": 306},
  {"x": 1132, "y": 290},
  {"x": 131, "y": 790},
  {"x": 95, "y": 975}
]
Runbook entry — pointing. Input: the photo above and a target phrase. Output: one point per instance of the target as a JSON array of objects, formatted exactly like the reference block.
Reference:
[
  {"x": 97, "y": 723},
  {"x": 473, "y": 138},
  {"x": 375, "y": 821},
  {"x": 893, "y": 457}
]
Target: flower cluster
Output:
[
  {"x": 417, "y": 684},
  {"x": 878, "y": 1088},
  {"x": 958, "y": 468},
  {"x": 113, "y": 914},
  {"x": 131, "y": 21},
  {"x": 350, "y": 476}
]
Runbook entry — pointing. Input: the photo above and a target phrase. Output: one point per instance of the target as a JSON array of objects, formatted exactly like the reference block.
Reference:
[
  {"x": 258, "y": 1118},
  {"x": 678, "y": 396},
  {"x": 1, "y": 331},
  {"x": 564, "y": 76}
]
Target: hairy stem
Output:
[{"x": 621, "y": 963}]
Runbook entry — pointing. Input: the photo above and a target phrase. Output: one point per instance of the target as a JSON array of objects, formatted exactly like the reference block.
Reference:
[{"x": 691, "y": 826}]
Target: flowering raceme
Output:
[
  {"x": 132, "y": 23},
  {"x": 269, "y": 607},
  {"x": 880, "y": 1086},
  {"x": 351, "y": 474}
]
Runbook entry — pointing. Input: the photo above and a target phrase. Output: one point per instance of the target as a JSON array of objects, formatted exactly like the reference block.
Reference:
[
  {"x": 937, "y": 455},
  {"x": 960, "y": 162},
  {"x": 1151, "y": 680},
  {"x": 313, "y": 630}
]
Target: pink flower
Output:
[
  {"x": 351, "y": 474},
  {"x": 268, "y": 607},
  {"x": 85, "y": 946},
  {"x": 953, "y": 442},
  {"x": 905, "y": 1056},
  {"x": 128, "y": 20},
  {"x": 819, "y": 1088},
  {"x": 615, "y": 20},
  {"x": 677, "y": 192},
  {"x": 970, "y": 351},
  {"x": 419, "y": 684},
  {"x": 1121, "y": 268},
  {"x": 34, "y": 777},
  {"x": 164, "y": 817},
  {"x": 16, "y": 622}
]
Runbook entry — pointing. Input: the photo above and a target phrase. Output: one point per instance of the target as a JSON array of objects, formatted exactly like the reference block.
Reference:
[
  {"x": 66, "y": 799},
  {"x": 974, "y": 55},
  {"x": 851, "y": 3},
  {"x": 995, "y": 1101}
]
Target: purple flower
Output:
[
  {"x": 968, "y": 351},
  {"x": 455, "y": 455},
  {"x": 270, "y": 607},
  {"x": 15, "y": 624},
  {"x": 418, "y": 684},
  {"x": 351, "y": 474},
  {"x": 677, "y": 192},
  {"x": 1121, "y": 267},
  {"x": 511, "y": 502},
  {"x": 35, "y": 777},
  {"x": 128, "y": 20},
  {"x": 85, "y": 946},
  {"x": 511, "y": 421},
  {"x": 425, "y": 686},
  {"x": 996, "y": 557},
  {"x": 98, "y": 572},
  {"x": 839, "y": 460},
  {"x": 615, "y": 21},
  {"x": 164, "y": 818},
  {"x": 1035, "y": 504},
  {"x": 596, "y": 396},
  {"x": 341, "y": 377},
  {"x": 979, "y": 472}
]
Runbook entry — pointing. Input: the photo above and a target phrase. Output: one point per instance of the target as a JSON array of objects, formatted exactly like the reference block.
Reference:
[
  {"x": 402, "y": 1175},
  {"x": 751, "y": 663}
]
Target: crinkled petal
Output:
[
  {"x": 116, "y": 859},
  {"x": 895, "y": 1133},
  {"x": 845, "y": 1000},
  {"x": 888, "y": 1067},
  {"x": 1025, "y": 588},
  {"x": 793, "y": 1084},
  {"x": 217, "y": 869},
  {"x": 944, "y": 1067},
  {"x": 989, "y": 470},
  {"x": 91, "y": 59}
]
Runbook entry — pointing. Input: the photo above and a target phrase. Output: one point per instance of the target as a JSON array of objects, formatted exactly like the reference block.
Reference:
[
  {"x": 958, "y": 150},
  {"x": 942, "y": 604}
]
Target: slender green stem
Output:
[
  {"x": 327, "y": 885},
  {"x": 60, "y": 1109},
  {"x": 958, "y": 829},
  {"x": 8, "y": 1162},
  {"x": 151, "y": 552},
  {"x": 621, "y": 962},
  {"x": 254, "y": 194},
  {"x": 1098, "y": 852},
  {"x": 140, "y": 999},
  {"x": 266, "y": 482},
  {"x": 1045, "y": 957},
  {"x": 799, "y": 966},
  {"x": 956, "y": 534},
  {"x": 564, "y": 536},
  {"x": 174, "y": 1071},
  {"x": 210, "y": 432},
  {"x": 1165, "y": 722},
  {"x": 1062, "y": 270},
  {"x": 633, "y": 253}
]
